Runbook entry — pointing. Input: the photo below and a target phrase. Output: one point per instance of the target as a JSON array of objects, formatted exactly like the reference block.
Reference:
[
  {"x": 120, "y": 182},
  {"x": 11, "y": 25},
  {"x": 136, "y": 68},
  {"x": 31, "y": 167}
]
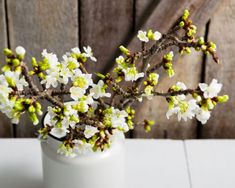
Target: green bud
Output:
[
  {"x": 102, "y": 134},
  {"x": 210, "y": 104},
  {"x": 181, "y": 24},
  {"x": 170, "y": 72},
  {"x": 147, "y": 128},
  {"x": 185, "y": 15},
  {"x": 6, "y": 68},
  {"x": 222, "y": 99},
  {"x": 150, "y": 122},
  {"x": 44, "y": 65},
  {"x": 15, "y": 62},
  {"x": 20, "y": 57},
  {"x": 18, "y": 69},
  {"x": 31, "y": 73},
  {"x": 34, "y": 62},
  {"x": 100, "y": 75},
  {"x": 10, "y": 81},
  {"x": 41, "y": 75},
  {"x": 7, "y": 52},
  {"x": 150, "y": 34},
  {"x": 18, "y": 106},
  {"x": 33, "y": 118},
  {"x": 201, "y": 41},
  {"x": 31, "y": 109},
  {"x": 38, "y": 106},
  {"x": 124, "y": 50},
  {"x": 187, "y": 50},
  {"x": 27, "y": 101}
]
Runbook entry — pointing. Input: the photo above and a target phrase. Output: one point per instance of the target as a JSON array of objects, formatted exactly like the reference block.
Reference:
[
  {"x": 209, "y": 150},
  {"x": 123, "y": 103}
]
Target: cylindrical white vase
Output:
[{"x": 90, "y": 170}]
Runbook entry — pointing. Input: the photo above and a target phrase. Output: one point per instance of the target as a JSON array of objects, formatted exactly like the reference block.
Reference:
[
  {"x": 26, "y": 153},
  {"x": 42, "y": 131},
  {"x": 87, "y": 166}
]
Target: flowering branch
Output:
[{"x": 91, "y": 120}]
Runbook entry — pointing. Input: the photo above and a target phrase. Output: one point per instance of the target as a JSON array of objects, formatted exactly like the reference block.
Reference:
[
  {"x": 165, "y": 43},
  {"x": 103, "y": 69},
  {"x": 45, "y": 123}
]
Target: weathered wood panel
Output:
[
  {"x": 221, "y": 31},
  {"x": 42, "y": 24},
  {"x": 104, "y": 26},
  {"x": 188, "y": 69},
  {"x": 5, "y": 125}
]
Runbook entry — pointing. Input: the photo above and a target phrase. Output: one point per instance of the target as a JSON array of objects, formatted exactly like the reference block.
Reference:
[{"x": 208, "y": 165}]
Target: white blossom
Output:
[
  {"x": 189, "y": 112},
  {"x": 53, "y": 73},
  {"x": 212, "y": 90},
  {"x": 20, "y": 50},
  {"x": 76, "y": 92},
  {"x": 157, "y": 35},
  {"x": 142, "y": 36},
  {"x": 90, "y": 131},
  {"x": 181, "y": 86},
  {"x": 82, "y": 147},
  {"x": 66, "y": 151},
  {"x": 51, "y": 80},
  {"x": 20, "y": 82},
  {"x": 76, "y": 50},
  {"x": 52, "y": 59},
  {"x": 185, "y": 110},
  {"x": 99, "y": 90},
  {"x": 131, "y": 74},
  {"x": 59, "y": 132},
  {"x": 89, "y": 53},
  {"x": 64, "y": 74},
  {"x": 118, "y": 119},
  {"x": 81, "y": 83},
  {"x": 203, "y": 115}
]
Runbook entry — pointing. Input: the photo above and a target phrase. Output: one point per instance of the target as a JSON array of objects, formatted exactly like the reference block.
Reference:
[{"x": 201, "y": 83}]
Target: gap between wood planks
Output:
[{"x": 203, "y": 75}]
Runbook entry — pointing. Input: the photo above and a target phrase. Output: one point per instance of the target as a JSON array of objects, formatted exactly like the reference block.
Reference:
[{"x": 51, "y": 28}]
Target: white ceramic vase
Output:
[{"x": 90, "y": 170}]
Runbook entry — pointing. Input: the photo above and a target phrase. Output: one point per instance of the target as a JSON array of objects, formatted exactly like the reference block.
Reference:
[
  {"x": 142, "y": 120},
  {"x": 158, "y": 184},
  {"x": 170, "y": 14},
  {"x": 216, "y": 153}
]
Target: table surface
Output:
[{"x": 149, "y": 163}]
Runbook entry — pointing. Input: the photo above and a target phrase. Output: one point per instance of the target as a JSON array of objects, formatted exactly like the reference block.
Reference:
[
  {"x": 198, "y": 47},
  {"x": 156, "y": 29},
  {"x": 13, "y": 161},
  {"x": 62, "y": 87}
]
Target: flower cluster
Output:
[
  {"x": 99, "y": 112},
  {"x": 204, "y": 100}
]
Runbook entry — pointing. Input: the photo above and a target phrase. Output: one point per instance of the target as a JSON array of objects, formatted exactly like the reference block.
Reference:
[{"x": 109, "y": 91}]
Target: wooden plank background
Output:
[{"x": 59, "y": 25}]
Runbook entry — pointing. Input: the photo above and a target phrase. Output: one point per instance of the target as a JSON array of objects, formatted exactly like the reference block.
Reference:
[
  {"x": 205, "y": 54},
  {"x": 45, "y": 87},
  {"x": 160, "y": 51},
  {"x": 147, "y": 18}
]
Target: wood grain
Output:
[
  {"x": 188, "y": 69},
  {"x": 104, "y": 26},
  {"x": 5, "y": 124},
  {"x": 42, "y": 24},
  {"x": 221, "y": 31}
]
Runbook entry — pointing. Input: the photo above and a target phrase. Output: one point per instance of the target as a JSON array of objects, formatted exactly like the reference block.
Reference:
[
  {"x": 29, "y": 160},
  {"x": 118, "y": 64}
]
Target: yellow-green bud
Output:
[
  {"x": 27, "y": 101},
  {"x": 38, "y": 106},
  {"x": 100, "y": 75},
  {"x": 41, "y": 75},
  {"x": 15, "y": 62},
  {"x": 147, "y": 128},
  {"x": 31, "y": 73},
  {"x": 33, "y": 118},
  {"x": 6, "y": 68},
  {"x": 124, "y": 50},
  {"x": 222, "y": 99},
  {"x": 181, "y": 24},
  {"x": 187, "y": 50},
  {"x": 185, "y": 15},
  {"x": 18, "y": 69},
  {"x": 210, "y": 104},
  {"x": 34, "y": 62},
  {"x": 201, "y": 41},
  {"x": 102, "y": 134},
  {"x": 18, "y": 106},
  {"x": 31, "y": 109},
  {"x": 150, "y": 34},
  {"x": 11, "y": 82},
  {"x": 7, "y": 52}
]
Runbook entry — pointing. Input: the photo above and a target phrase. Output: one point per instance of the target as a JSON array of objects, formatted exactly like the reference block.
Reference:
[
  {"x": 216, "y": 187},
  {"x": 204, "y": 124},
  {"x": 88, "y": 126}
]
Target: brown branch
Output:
[{"x": 28, "y": 78}]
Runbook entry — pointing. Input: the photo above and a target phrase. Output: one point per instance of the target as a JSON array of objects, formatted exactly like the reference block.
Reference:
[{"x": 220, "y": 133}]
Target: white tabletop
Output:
[{"x": 149, "y": 163}]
